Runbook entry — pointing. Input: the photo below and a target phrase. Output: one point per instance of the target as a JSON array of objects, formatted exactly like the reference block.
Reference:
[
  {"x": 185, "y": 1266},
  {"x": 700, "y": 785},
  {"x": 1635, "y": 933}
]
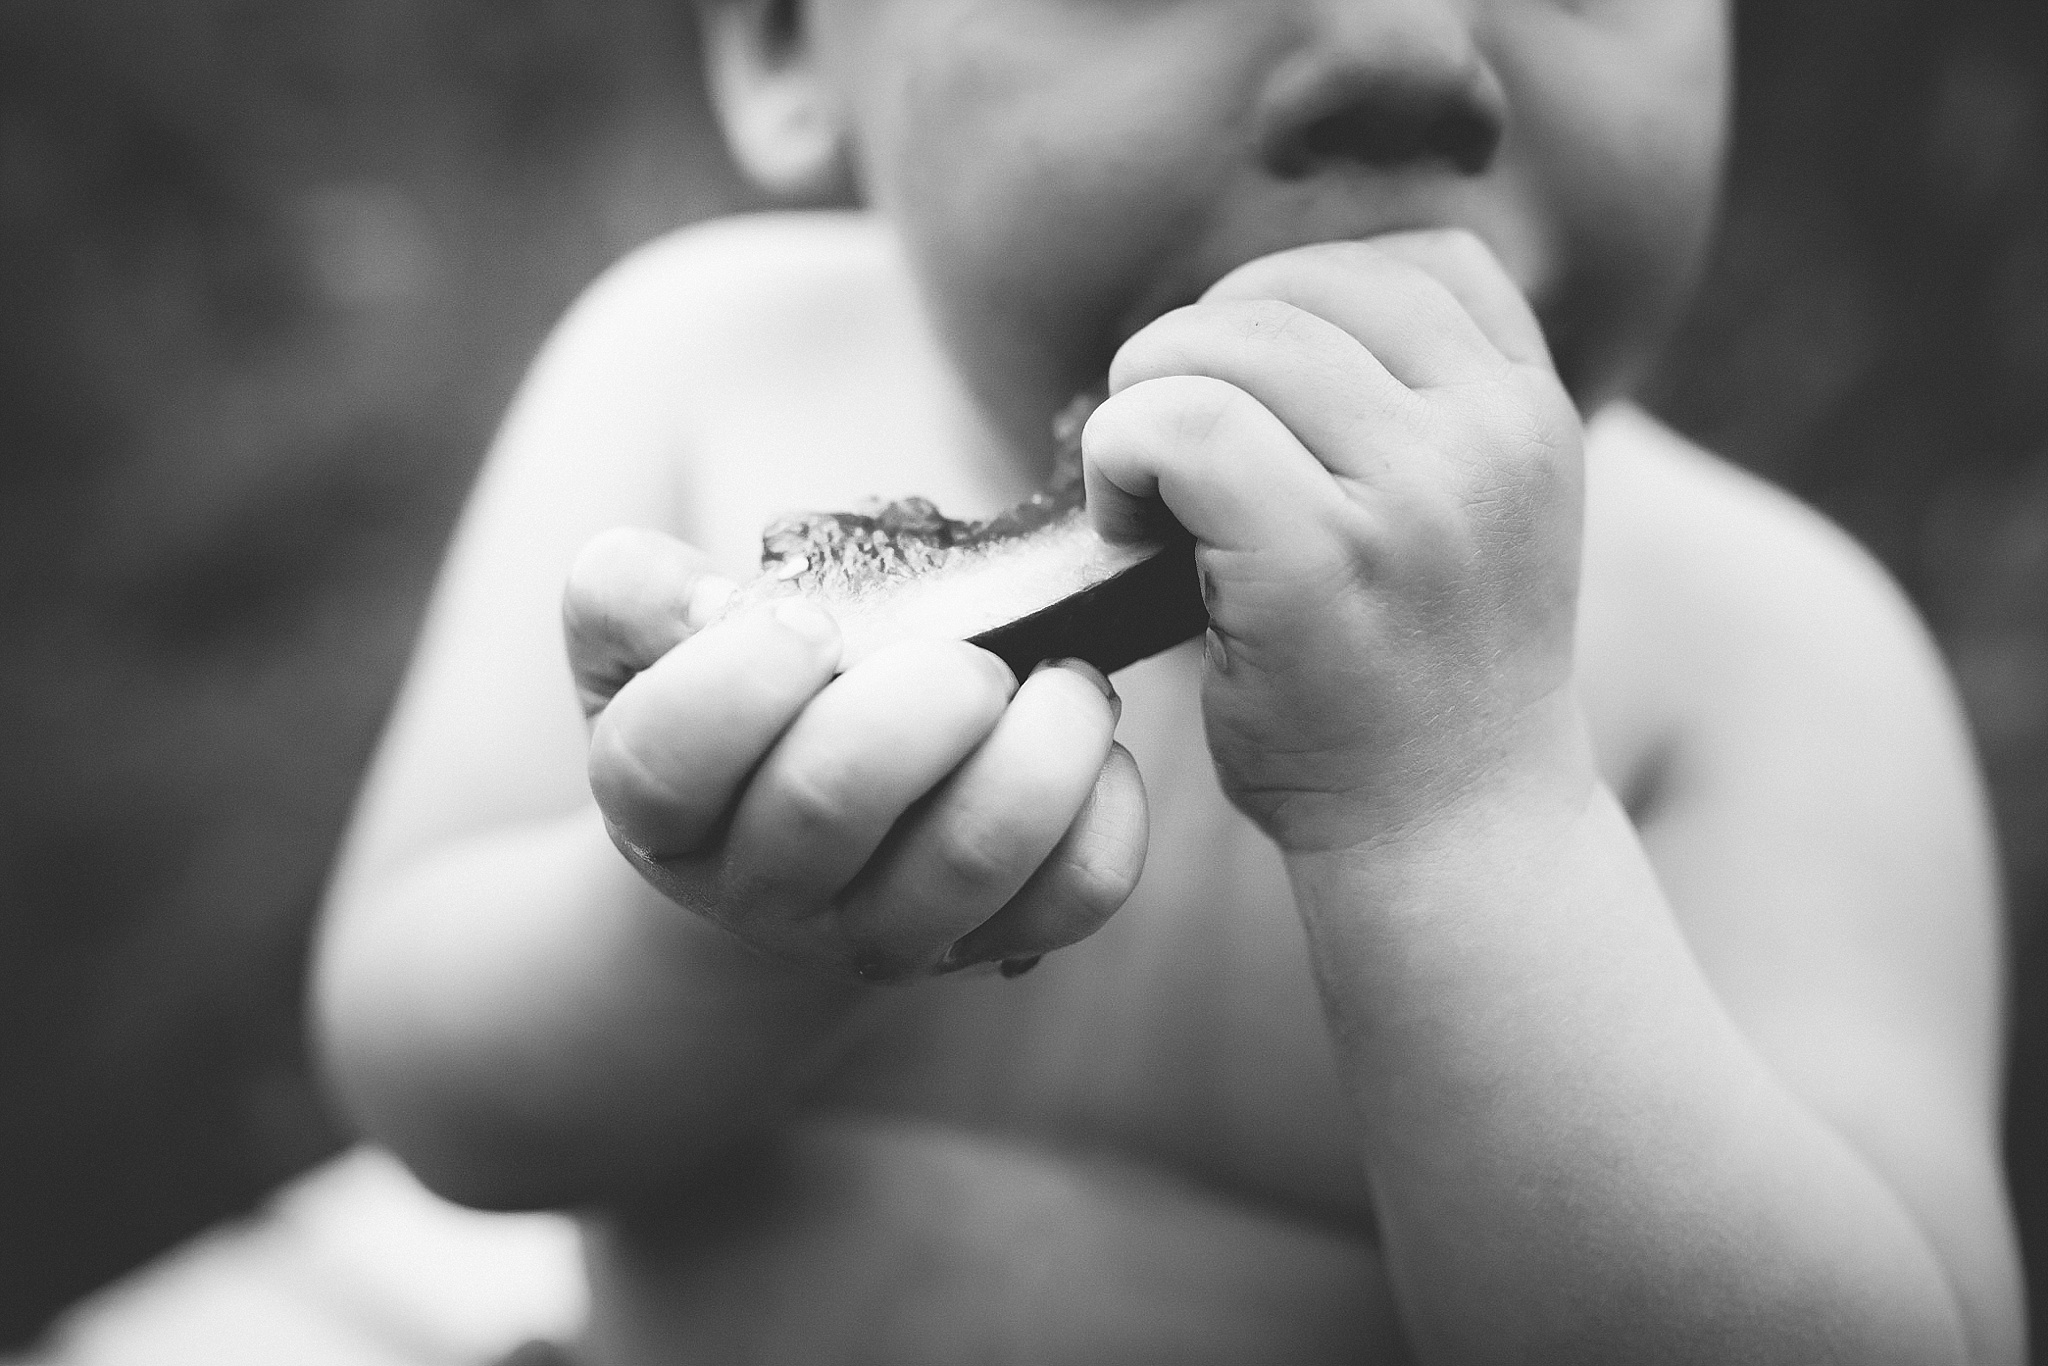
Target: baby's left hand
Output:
[{"x": 1383, "y": 473}]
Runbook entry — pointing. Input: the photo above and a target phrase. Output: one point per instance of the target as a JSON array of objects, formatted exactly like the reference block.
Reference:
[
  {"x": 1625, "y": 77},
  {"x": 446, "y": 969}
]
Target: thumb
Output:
[{"x": 632, "y": 596}]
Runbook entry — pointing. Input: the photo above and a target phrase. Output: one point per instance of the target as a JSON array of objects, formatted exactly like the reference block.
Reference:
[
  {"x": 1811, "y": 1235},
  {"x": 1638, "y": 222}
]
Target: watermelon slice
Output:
[{"x": 1032, "y": 583}]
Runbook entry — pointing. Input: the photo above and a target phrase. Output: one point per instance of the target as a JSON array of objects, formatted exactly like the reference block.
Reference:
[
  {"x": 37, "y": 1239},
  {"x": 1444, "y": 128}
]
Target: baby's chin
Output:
[{"x": 1604, "y": 336}]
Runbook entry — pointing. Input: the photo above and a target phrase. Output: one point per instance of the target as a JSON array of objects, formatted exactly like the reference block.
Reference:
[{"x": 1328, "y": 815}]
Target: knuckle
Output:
[
  {"x": 1420, "y": 287},
  {"x": 1103, "y": 885},
  {"x": 1200, "y": 337},
  {"x": 753, "y": 676},
  {"x": 814, "y": 796},
  {"x": 977, "y": 852},
  {"x": 764, "y": 681},
  {"x": 1265, "y": 322},
  {"x": 1204, "y": 408},
  {"x": 1099, "y": 877}
]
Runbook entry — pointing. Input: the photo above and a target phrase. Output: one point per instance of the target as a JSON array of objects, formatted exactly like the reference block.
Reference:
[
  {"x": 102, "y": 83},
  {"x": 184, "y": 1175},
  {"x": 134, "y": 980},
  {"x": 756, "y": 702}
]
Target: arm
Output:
[
  {"x": 541, "y": 994},
  {"x": 481, "y": 931},
  {"x": 1594, "y": 1153},
  {"x": 1750, "y": 1122}
]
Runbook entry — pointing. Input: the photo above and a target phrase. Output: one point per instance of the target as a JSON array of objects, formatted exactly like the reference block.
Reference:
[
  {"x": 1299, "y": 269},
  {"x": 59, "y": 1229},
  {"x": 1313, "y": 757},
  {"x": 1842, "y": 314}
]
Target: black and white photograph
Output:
[{"x": 1023, "y": 682}]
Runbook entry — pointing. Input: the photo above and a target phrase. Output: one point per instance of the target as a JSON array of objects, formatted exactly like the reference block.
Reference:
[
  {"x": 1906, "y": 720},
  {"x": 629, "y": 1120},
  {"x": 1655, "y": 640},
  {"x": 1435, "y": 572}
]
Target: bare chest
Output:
[{"x": 1187, "y": 1035}]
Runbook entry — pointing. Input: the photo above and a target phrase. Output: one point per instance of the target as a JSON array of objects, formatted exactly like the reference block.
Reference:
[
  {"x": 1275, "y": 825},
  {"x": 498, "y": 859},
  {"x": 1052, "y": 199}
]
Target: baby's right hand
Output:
[{"x": 919, "y": 813}]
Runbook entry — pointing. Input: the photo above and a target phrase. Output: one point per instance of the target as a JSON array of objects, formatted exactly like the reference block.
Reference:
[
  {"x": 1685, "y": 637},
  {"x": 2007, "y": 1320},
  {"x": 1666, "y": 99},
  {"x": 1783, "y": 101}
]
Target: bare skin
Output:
[
  {"x": 1178, "y": 1061},
  {"x": 1534, "y": 955}
]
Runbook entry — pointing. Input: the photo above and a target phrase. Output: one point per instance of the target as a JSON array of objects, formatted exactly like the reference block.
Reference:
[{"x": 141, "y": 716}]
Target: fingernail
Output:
[
  {"x": 1089, "y": 672},
  {"x": 1017, "y": 967},
  {"x": 1081, "y": 667},
  {"x": 808, "y": 620}
]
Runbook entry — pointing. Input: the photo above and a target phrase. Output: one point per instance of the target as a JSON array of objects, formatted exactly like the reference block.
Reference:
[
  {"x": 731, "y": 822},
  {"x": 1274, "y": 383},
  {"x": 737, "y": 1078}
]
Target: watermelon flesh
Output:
[{"x": 1034, "y": 582}]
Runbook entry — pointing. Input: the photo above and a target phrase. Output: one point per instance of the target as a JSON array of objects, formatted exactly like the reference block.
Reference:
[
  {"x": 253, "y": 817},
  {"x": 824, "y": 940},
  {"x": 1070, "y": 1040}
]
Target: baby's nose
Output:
[{"x": 1385, "y": 84}]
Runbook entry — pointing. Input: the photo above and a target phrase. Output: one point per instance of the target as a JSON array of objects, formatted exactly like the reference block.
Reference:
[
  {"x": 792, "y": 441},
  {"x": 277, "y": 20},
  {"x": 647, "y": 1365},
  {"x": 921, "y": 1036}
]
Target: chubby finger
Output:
[
  {"x": 1226, "y": 467},
  {"x": 631, "y": 597},
  {"x": 669, "y": 752},
  {"x": 1088, "y": 876},
  {"x": 1319, "y": 380},
  {"x": 956, "y": 858},
  {"x": 885, "y": 733},
  {"x": 1468, "y": 268},
  {"x": 1411, "y": 320}
]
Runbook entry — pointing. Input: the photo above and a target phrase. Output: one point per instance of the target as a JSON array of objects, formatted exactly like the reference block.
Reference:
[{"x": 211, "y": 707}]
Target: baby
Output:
[{"x": 1548, "y": 917}]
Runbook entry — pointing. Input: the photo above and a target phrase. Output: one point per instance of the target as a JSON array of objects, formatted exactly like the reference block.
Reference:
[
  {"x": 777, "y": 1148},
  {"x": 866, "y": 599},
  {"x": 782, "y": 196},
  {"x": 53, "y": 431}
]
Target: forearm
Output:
[
  {"x": 1575, "y": 1153},
  {"x": 528, "y": 1024}
]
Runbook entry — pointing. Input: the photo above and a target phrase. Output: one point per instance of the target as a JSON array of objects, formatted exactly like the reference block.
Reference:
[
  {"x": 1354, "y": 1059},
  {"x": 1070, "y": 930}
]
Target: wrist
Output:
[{"x": 1534, "y": 770}]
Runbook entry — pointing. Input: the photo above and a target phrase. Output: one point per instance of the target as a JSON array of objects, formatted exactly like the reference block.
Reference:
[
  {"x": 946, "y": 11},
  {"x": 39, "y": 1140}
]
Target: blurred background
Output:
[{"x": 270, "y": 269}]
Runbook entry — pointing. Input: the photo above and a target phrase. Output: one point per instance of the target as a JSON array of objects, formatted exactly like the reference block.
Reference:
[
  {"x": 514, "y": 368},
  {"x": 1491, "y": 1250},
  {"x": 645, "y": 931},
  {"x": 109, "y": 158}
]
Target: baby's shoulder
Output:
[
  {"x": 752, "y": 291},
  {"x": 750, "y": 366},
  {"x": 1680, "y": 521},
  {"x": 1717, "y": 603},
  {"x": 751, "y": 259}
]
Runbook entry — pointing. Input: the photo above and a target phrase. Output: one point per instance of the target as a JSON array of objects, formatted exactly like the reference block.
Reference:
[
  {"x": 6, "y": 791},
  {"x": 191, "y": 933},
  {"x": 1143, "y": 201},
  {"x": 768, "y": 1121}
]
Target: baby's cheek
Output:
[
  {"x": 1045, "y": 197},
  {"x": 1620, "y": 136}
]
